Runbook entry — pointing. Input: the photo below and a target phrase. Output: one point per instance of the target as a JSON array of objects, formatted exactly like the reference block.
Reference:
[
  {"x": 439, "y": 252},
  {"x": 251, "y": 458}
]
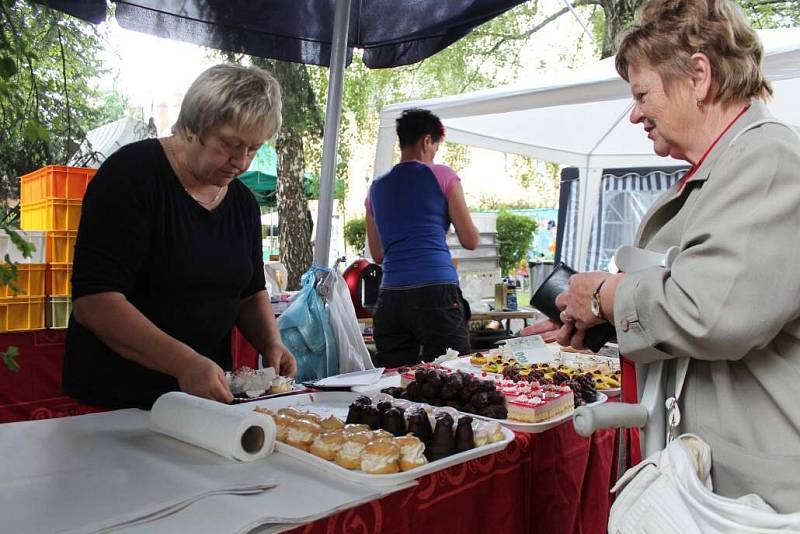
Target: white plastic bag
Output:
[{"x": 353, "y": 353}]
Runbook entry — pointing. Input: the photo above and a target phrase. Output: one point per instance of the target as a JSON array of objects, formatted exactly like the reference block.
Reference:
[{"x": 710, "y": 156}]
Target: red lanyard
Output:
[{"x": 702, "y": 159}]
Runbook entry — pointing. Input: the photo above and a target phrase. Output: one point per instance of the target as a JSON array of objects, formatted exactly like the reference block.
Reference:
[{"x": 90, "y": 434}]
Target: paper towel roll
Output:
[{"x": 229, "y": 431}]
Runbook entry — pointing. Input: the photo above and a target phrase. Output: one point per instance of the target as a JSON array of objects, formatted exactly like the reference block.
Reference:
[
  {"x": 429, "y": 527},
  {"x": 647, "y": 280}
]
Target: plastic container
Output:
[
  {"x": 57, "y": 312},
  {"x": 21, "y": 313},
  {"x": 37, "y": 238},
  {"x": 58, "y": 279},
  {"x": 30, "y": 280},
  {"x": 60, "y": 247},
  {"x": 54, "y": 182},
  {"x": 51, "y": 215}
]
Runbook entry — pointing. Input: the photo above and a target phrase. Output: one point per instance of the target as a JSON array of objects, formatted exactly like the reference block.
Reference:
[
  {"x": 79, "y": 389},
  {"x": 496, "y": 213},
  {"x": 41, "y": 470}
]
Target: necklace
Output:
[{"x": 176, "y": 168}]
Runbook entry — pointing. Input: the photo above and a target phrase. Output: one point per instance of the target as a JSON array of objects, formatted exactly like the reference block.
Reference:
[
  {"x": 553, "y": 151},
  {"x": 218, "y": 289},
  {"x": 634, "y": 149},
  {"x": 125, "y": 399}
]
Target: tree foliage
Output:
[
  {"x": 514, "y": 233},
  {"x": 355, "y": 234},
  {"x": 49, "y": 65}
]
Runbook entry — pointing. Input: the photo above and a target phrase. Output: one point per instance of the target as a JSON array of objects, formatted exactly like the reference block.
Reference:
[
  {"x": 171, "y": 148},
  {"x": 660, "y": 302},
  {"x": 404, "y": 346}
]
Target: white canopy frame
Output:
[{"x": 578, "y": 118}]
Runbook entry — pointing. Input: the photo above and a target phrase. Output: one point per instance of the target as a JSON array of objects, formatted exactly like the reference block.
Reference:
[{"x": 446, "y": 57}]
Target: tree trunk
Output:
[{"x": 294, "y": 230}]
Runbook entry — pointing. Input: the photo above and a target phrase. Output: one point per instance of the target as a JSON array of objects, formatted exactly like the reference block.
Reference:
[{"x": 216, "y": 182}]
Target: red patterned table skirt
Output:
[{"x": 554, "y": 482}]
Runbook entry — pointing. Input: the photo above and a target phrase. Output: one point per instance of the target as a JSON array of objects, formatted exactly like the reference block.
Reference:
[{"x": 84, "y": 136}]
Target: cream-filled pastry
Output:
[
  {"x": 380, "y": 457},
  {"x": 301, "y": 433},
  {"x": 349, "y": 456},
  {"x": 327, "y": 444},
  {"x": 331, "y": 423},
  {"x": 412, "y": 452}
]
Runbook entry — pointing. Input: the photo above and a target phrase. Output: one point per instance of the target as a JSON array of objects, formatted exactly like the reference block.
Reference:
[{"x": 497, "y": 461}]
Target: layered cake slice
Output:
[{"x": 554, "y": 401}]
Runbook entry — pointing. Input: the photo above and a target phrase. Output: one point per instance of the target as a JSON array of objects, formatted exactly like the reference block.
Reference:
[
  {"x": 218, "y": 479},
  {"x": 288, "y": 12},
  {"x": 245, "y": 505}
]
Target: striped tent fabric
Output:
[{"x": 625, "y": 196}]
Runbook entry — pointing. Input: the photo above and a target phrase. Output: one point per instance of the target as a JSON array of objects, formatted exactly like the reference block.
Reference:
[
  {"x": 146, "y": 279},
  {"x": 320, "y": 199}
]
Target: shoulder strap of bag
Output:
[{"x": 673, "y": 411}]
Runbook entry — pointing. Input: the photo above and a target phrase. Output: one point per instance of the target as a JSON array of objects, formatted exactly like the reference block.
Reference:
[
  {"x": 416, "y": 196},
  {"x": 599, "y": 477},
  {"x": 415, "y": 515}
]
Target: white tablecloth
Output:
[{"x": 76, "y": 473}]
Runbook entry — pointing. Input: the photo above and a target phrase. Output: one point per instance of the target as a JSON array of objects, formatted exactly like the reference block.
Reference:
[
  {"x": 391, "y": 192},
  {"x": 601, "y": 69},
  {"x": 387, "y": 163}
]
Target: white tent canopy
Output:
[
  {"x": 578, "y": 118},
  {"x": 106, "y": 139}
]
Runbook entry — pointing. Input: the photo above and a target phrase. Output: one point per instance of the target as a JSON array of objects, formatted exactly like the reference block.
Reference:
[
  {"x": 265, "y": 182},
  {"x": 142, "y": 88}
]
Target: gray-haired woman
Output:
[
  {"x": 168, "y": 254},
  {"x": 731, "y": 299}
]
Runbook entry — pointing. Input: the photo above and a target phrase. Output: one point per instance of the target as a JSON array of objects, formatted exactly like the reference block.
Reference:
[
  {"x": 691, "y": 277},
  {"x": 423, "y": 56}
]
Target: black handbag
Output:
[{"x": 544, "y": 300}]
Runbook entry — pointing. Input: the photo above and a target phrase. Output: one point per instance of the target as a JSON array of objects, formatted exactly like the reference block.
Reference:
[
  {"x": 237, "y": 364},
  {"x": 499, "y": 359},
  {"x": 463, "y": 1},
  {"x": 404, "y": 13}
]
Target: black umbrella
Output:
[{"x": 316, "y": 32}]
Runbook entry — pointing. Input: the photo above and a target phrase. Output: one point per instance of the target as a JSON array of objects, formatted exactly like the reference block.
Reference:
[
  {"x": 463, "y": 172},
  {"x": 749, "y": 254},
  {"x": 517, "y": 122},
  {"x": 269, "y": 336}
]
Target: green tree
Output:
[
  {"x": 355, "y": 234},
  {"x": 49, "y": 64},
  {"x": 514, "y": 233}
]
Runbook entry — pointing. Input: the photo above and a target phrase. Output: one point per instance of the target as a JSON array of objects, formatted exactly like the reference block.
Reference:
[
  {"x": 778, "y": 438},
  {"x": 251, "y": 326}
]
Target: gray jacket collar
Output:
[{"x": 756, "y": 112}]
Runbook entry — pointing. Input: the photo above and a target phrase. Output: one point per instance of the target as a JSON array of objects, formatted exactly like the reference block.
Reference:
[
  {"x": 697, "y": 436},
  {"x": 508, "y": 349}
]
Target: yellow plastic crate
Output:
[
  {"x": 30, "y": 280},
  {"x": 51, "y": 215},
  {"x": 21, "y": 313},
  {"x": 60, "y": 247},
  {"x": 58, "y": 279},
  {"x": 54, "y": 181},
  {"x": 57, "y": 312}
]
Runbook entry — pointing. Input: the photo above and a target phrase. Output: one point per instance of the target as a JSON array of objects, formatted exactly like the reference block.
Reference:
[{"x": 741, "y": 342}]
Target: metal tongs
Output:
[{"x": 650, "y": 413}]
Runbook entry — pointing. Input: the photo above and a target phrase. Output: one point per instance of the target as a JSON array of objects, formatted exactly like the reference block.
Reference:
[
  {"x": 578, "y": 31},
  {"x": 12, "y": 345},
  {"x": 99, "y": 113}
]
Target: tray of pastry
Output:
[
  {"x": 375, "y": 439},
  {"x": 519, "y": 400}
]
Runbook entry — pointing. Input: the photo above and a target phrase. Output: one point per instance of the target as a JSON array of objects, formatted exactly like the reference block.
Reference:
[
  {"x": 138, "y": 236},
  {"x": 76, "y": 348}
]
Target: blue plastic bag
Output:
[{"x": 306, "y": 332}]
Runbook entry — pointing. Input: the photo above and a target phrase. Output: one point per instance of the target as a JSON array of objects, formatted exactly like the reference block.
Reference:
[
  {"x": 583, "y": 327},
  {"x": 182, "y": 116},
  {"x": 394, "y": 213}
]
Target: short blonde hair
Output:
[
  {"x": 668, "y": 32},
  {"x": 244, "y": 97}
]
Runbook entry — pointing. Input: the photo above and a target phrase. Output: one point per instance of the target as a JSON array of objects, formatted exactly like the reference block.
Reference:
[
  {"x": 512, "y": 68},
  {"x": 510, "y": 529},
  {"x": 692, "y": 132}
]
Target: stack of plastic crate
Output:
[{"x": 50, "y": 204}]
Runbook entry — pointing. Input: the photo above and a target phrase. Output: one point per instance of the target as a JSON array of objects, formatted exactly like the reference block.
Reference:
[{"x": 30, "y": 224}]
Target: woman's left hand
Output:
[
  {"x": 576, "y": 307},
  {"x": 279, "y": 358}
]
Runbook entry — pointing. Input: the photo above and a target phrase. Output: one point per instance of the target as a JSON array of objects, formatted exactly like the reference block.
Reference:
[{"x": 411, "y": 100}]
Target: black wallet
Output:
[{"x": 544, "y": 300}]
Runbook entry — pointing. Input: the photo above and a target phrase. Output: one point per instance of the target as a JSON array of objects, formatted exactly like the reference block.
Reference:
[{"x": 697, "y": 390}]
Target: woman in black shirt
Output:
[{"x": 168, "y": 255}]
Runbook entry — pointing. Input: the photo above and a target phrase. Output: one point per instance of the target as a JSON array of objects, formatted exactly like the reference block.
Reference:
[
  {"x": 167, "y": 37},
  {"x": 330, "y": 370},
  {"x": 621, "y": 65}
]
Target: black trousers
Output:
[{"x": 419, "y": 323}]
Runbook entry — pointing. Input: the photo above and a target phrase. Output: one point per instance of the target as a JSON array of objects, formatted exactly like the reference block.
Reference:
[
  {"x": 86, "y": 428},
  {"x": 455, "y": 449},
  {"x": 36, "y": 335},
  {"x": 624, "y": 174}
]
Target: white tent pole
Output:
[
  {"x": 333, "y": 113},
  {"x": 586, "y": 30},
  {"x": 590, "y": 189}
]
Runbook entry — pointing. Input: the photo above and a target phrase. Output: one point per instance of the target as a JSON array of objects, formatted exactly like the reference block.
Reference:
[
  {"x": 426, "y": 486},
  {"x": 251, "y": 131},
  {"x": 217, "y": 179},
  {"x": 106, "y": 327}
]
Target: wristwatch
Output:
[{"x": 597, "y": 309}]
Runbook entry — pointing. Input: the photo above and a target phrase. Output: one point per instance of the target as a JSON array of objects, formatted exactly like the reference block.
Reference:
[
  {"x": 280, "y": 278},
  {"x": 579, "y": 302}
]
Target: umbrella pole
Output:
[{"x": 330, "y": 141}]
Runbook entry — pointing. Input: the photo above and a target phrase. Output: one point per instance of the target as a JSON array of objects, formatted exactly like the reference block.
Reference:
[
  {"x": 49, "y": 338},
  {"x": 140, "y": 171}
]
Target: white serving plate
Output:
[
  {"x": 336, "y": 403},
  {"x": 297, "y": 388},
  {"x": 462, "y": 364},
  {"x": 535, "y": 428}
]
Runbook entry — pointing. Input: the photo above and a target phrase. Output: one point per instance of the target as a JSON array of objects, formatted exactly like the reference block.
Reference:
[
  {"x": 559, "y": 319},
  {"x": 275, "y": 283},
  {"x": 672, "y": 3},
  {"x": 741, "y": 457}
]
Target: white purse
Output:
[{"x": 671, "y": 492}]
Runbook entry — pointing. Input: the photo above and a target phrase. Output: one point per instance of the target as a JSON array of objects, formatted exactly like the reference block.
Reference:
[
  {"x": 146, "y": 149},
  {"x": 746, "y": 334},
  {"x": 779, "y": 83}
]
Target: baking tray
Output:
[{"x": 336, "y": 403}]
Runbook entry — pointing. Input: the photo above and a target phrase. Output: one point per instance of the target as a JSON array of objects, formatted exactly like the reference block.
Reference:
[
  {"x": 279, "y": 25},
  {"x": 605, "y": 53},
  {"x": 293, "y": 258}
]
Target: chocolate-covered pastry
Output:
[
  {"x": 430, "y": 390},
  {"x": 443, "y": 443},
  {"x": 486, "y": 385},
  {"x": 384, "y": 406},
  {"x": 420, "y": 425},
  {"x": 412, "y": 390},
  {"x": 454, "y": 404},
  {"x": 496, "y": 397},
  {"x": 363, "y": 400},
  {"x": 355, "y": 414},
  {"x": 394, "y": 422},
  {"x": 370, "y": 416},
  {"x": 480, "y": 400},
  {"x": 465, "y": 438},
  {"x": 448, "y": 392}
]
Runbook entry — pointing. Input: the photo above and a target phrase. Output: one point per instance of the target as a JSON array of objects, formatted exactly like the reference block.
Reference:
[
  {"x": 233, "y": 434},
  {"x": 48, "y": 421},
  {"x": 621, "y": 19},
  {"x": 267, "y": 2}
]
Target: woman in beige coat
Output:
[{"x": 731, "y": 300}]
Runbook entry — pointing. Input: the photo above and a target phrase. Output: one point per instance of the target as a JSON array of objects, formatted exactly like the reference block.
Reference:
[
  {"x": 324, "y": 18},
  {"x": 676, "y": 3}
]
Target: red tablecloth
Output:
[{"x": 552, "y": 482}]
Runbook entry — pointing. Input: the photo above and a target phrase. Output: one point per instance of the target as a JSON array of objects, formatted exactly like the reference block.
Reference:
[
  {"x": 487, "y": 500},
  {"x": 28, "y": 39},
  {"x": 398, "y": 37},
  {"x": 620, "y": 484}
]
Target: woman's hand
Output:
[
  {"x": 279, "y": 358},
  {"x": 546, "y": 328},
  {"x": 202, "y": 377},
  {"x": 576, "y": 305}
]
